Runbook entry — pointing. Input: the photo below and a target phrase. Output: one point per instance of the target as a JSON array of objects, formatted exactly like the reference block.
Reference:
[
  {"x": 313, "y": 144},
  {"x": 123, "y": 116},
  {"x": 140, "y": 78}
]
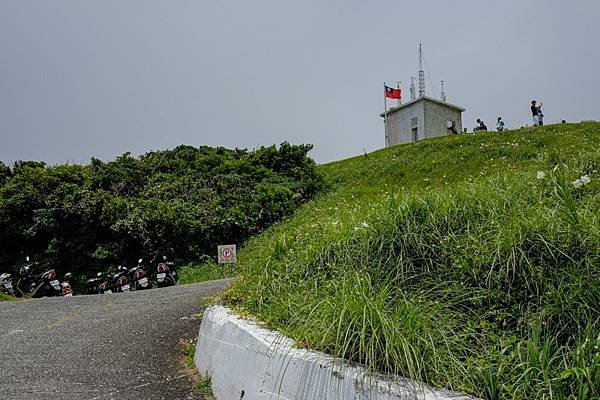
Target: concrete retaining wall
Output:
[{"x": 252, "y": 363}]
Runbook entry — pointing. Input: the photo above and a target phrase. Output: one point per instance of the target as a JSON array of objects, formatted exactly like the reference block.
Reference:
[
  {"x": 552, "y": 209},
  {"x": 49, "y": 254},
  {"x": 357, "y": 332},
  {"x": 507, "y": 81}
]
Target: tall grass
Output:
[{"x": 470, "y": 274}]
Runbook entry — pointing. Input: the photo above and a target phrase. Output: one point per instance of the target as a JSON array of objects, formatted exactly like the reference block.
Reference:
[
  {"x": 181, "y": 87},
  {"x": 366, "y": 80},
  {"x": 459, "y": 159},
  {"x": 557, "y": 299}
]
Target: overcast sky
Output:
[{"x": 100, "y": 78}]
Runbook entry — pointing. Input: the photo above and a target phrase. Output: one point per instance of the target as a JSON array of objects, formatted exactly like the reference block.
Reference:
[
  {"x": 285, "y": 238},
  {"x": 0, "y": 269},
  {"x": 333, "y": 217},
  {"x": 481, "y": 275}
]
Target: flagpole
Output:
[{"x": 385, "y": 115}]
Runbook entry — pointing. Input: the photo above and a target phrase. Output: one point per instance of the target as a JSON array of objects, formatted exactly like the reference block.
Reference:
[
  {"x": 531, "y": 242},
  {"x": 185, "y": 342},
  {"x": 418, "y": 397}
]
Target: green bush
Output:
[{"x": 181, "y": 203}]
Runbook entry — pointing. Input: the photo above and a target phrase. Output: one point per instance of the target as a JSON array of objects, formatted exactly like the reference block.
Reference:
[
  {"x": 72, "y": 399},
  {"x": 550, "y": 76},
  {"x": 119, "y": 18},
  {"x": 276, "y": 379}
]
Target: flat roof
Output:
[{"x": 411, "y": 102}]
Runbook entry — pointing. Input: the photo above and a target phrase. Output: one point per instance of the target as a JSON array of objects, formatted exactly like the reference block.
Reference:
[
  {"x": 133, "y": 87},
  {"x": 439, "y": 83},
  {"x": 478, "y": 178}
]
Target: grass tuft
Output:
[{"x": 6, "y": 297}]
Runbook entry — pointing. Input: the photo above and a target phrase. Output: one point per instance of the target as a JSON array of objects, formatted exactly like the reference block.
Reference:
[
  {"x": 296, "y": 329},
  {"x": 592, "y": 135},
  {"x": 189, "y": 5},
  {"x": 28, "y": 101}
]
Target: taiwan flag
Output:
[{"x": 392, "y": 93}]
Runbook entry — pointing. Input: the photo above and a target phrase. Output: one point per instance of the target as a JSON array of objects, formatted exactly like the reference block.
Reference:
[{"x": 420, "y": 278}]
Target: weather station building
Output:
[{"x": 421, "y": 117}]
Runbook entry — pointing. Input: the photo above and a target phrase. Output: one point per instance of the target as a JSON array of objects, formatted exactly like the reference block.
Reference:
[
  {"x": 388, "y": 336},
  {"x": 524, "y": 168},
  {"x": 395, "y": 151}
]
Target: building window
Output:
[{"x": 415, "y": 131}]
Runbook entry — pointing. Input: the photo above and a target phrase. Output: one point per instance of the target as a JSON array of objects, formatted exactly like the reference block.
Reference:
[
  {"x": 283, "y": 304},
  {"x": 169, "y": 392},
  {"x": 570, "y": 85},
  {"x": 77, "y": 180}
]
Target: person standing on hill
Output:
[
  {"x": 500, "y": 125},
  {"x": 540, "y": 115},
  {"x": 535, "y": 109}
]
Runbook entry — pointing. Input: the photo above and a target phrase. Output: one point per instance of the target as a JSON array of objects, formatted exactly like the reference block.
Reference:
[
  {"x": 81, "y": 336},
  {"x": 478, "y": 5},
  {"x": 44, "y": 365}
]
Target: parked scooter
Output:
[
  {"x": 138, "y": 277},
  {"x": 32, "y": 284},
  {"x": 100, "y": 284},
  {"x": 6, "y": 284},
  {"x": 120, "y": 281},
  {"x": 166, "y": 274}
]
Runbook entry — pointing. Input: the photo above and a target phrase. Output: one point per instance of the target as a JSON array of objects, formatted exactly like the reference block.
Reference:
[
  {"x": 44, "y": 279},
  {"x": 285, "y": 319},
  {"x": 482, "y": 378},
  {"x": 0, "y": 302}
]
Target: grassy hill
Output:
[{"x": 470, "y": 262}]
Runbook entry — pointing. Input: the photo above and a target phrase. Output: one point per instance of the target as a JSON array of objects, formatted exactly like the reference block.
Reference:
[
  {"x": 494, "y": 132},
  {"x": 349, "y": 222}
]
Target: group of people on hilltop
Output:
[
  {"x": 536, "y": 111},
  {"x": 482, "y": 127}
]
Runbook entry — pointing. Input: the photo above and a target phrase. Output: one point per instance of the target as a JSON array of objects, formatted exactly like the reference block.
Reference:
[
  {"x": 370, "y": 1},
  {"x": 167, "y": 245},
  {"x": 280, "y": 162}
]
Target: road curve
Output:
[{"x": 119, "y": 346}]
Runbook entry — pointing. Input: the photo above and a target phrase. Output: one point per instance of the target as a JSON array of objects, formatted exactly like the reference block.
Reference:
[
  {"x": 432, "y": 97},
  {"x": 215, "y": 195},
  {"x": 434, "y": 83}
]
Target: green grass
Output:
[
  {"x": 202, "y": 383},
  {"x": 188, "y": 348},
  {"x": 204, "y": 387},
  {"x": 5, "y": 297},
  {"x": 205, "y": 272},
  {"x": 447, "y": 261}
]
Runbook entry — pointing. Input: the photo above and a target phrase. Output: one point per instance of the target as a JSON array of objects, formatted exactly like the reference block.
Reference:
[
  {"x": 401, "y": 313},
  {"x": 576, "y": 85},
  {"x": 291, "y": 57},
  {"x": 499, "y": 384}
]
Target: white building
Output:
[{"x": 421, "y": 118}]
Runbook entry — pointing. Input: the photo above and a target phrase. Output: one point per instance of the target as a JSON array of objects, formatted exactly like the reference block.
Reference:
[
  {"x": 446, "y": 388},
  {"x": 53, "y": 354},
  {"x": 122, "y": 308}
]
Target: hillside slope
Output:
[{"x": 470, "y": 262}]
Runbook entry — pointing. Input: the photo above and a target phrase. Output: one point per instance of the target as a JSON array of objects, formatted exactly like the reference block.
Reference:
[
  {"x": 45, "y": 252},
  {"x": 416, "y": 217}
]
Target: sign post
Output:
[{"x": 226, "y": 254}]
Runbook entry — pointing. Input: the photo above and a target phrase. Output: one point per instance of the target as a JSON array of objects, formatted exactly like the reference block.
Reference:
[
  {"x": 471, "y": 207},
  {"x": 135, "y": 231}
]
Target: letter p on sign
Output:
[{"x": 226, "y": 254}]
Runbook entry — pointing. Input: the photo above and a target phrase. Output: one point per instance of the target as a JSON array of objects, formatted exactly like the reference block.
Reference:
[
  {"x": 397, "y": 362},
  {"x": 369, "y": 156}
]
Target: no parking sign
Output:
[{"x": 226, "y": 253}]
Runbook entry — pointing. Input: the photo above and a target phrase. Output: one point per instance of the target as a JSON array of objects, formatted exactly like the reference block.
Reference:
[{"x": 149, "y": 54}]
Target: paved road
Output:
[{"x": 120, "y": 346}]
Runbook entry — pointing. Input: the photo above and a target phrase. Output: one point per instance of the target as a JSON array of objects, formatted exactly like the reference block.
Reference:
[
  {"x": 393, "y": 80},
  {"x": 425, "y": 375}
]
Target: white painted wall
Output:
[
  {"x": 432, "y": 120},
  {"x": 399, "y": 124},
  {"x": 437, "y": 117},
  {"x": 247, "y": 362}
]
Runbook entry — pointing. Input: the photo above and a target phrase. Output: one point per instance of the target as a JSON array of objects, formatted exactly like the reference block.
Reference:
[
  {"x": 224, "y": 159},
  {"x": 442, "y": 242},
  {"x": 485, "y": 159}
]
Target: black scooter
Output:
[
  {"x": 138, "y": 277},
  {"x": 99, "y": 284},
  {"x": 166, "y": 274},
  {"x": 32, "y": 284},
  {"x": 120, "y": 280}
]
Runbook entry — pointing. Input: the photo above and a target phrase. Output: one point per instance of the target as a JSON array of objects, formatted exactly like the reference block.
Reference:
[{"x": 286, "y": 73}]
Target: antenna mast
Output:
[
  {"x": 443, "y": 95},
  {"x": 421, "y": 73},
  {"x": 412, "y": 88}
]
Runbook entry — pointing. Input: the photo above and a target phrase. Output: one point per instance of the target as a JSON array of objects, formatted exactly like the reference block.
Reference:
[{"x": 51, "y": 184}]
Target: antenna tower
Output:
[
  {"x": 412, "y": 88},
  {"x": 443, "y": 95},
  {"x": 421, "y": 73}
]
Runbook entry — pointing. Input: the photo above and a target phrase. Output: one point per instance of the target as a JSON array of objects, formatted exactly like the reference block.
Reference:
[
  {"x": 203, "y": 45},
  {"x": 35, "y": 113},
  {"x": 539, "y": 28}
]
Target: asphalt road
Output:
[{"x": 119, "y": 346}]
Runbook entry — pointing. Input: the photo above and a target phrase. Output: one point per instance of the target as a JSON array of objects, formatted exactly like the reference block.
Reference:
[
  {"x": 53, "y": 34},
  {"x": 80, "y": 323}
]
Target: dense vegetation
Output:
[
  {"x": 470, "y": 262},
  {"x": 180, "y": 203}
]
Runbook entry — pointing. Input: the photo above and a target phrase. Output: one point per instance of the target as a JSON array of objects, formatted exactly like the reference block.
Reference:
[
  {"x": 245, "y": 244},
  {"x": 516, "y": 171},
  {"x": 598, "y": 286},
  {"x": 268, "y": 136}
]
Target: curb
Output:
[{"x": 247, "y": 362}]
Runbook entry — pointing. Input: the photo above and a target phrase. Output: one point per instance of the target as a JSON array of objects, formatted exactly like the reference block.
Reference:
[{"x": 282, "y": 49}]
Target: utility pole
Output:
[{"x": 385, "y": 115}]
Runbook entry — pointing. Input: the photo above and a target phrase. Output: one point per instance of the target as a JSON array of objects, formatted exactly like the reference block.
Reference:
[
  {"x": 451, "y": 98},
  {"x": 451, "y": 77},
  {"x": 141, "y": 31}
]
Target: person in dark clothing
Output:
[
  {"x": 535, "y": 110},
  {"x": 480, "y": 126},
  {"x": 452, "y": 128}
]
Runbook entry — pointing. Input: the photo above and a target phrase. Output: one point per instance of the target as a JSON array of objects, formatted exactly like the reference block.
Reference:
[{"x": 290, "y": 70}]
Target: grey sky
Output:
[{"x": 99, "y": 78}]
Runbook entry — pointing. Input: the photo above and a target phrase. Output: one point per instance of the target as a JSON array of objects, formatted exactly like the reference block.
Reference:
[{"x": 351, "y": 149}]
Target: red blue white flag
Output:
[{"x": 392, "y": 93}]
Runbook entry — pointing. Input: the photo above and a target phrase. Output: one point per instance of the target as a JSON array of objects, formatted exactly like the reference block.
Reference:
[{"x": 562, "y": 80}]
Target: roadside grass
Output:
[
  {"x": 188, "y": 348},
  {"x": 205, "y": 272},
  {"x": 446, "y": 261},
  {"x": 202, "y": 384},
  {"x": 204, "y": 387},
  {"x": 5, "y": 297}
]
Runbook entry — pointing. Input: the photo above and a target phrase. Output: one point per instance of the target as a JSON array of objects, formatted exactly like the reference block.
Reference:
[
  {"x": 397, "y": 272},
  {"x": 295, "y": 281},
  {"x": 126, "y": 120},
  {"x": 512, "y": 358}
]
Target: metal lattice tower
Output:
[
  {"x": 421, "y": 73},
  {"x": 443, "y": 95},
  {"x": 412, "y": 88}
]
